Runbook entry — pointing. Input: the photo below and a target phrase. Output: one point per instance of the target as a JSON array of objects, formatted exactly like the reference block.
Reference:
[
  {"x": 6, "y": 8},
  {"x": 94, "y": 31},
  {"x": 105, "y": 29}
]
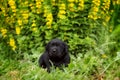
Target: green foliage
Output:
[
  {"x": 90, "y": 28},
  {"x": 79, "y": 31},
  {"x": 115, "y": 36},
  {"x": 90, "y": 66}
]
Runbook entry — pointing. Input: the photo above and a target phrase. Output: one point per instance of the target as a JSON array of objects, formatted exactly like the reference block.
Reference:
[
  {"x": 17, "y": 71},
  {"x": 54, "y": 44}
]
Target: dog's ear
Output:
[
  {"x": 65, "y": 48},
  {"x": 47, "y": 47}
]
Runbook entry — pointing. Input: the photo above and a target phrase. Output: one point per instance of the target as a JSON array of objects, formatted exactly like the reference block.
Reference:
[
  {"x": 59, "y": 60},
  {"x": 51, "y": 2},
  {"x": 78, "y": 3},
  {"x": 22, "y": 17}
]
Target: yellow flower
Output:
[
  {"x": 71, "y": 5},
  {"x": 38, "y": 3},
  {"x": 33, "y": 24},
  {"x": 3, "y": 31},
  {"x": 19, "y": 22},
  {"x": 104, "y": 56},
  {"x": 18, "y": 30},
  {"x": 107, "y": 18},
  {"x": 95, "y": 9},
  {"x": 11, "y": 2},
  {"x": 12, "y": 43},
  {"x": 61, "y": 16},
  {"x": 3, "y": 9},
  {"x": 49, "y": 24},
  {"x": 38, "y": 11},
  {"x": 14, "y": 47},
  {"x": 81, "y": 5},
  {"x": 49, "y": 16},
  {"x": 25, "y": 21},
  {"x": 90, "y": 16},
  {"x": 71, "y": 0},
  {"x": 118, "y": 2},
  {"x": 33, "y": 21},
  {"x": 34, "y": 29},
  {"x": 62, "y": 12},
  {"x": 30, "y": 4},
  {"x": 96, "y": 2},
  {"x": 53, "y": 2},
  {"x": 25, "y": 15},
  {"x": 62, "y": 6},
  {"x": 111, "y": 29},
  {"x": 95, "y": 17},
  {"x": 26, "y": 2},
  {"x": 49, "y": 19},
  {"x": 13, "y": 7},
  {"x": 14, "y": 10}
]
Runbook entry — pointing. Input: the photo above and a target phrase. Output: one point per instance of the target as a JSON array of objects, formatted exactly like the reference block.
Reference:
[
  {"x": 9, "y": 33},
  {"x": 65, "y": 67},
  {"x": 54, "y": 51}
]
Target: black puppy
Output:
[{"x": 56, "y": 54}]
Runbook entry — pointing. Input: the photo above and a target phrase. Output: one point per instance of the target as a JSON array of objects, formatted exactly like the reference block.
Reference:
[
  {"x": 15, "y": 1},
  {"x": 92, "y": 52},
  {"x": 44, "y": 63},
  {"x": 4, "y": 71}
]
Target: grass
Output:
[{"x": 87, "y": 67}]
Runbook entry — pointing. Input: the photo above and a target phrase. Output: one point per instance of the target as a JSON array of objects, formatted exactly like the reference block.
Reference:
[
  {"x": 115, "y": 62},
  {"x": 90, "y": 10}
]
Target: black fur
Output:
[{"x": 56, "y": 54}]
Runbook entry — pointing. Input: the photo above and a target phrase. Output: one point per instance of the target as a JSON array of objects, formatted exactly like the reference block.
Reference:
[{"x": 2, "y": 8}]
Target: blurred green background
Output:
[{"x": 91, "y": 28}]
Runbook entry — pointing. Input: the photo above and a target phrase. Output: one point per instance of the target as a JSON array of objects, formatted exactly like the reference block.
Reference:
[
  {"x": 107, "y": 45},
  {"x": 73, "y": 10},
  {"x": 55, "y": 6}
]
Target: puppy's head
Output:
[{"x": 56, "y": 48}]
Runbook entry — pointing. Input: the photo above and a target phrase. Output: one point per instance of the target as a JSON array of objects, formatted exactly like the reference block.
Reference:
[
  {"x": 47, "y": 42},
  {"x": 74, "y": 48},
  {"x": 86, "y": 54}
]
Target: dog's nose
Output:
[{"x": 54, "y": 50}]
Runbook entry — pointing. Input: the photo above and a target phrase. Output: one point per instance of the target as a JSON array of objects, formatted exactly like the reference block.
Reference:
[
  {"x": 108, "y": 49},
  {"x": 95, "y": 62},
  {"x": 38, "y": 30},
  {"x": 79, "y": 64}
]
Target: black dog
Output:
[{"x": 56, "y": 54}]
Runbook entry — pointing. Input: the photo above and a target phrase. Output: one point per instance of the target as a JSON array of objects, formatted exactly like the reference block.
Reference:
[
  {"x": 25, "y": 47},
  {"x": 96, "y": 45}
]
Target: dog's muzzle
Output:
[{"x": 54, "y": 50}]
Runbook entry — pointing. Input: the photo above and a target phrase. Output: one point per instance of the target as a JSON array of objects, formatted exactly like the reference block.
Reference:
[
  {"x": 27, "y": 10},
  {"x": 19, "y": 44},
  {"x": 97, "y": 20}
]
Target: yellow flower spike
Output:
[
  {"x": 62, "y": 6},
  {"x": 48, "y": 24},
  {"x": 14, "y": 47},
  {"x": 81, "y": 5},
  {"x": 26, "y": 21},
  {"x": 107, "y": 18},
  {"x": 49, "y": 16},
  {"x": 33, "y": 24},
  {"x": 61, "y": 16},
  {"x": 14, "y": 10},
  {"x": 95, "y": 9},
  {"x": 18, "y": 30},
  {"x": 49, "y": 20},
  {"x": 26, "y": 2},
  {"x": 38, "y": 4},
  {"x": 118, "y": 2},
  {"x": 62, "y": 12},
  {"x": 19, "y": 22},
  {"x": 71, "y": 0},
  {"x": 11, "y": 2},
  {"x": 4, "y": 31},
  {"x": 76, "y": 1},
  {"x": 25, "y": 15},
  {"x": 3, "y": 9},
  {"x": 95, "y": 17},
  {"x": 13, "y": 7},
  {"x": 12, "y": 43},
  {"x": 71, "y": 5},
  {"x": 38, "y": 11},
  {"x": 53, "y": 2},
  {"x": 30, "y": 4},
  {"x": 89, "y": 16}
]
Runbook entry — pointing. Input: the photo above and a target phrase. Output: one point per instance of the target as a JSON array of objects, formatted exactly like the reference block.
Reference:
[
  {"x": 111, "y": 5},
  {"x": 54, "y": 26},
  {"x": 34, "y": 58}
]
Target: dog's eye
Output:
[
  {"x": 53, "y": 44},
  {"x": 57, "y": 44}
]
